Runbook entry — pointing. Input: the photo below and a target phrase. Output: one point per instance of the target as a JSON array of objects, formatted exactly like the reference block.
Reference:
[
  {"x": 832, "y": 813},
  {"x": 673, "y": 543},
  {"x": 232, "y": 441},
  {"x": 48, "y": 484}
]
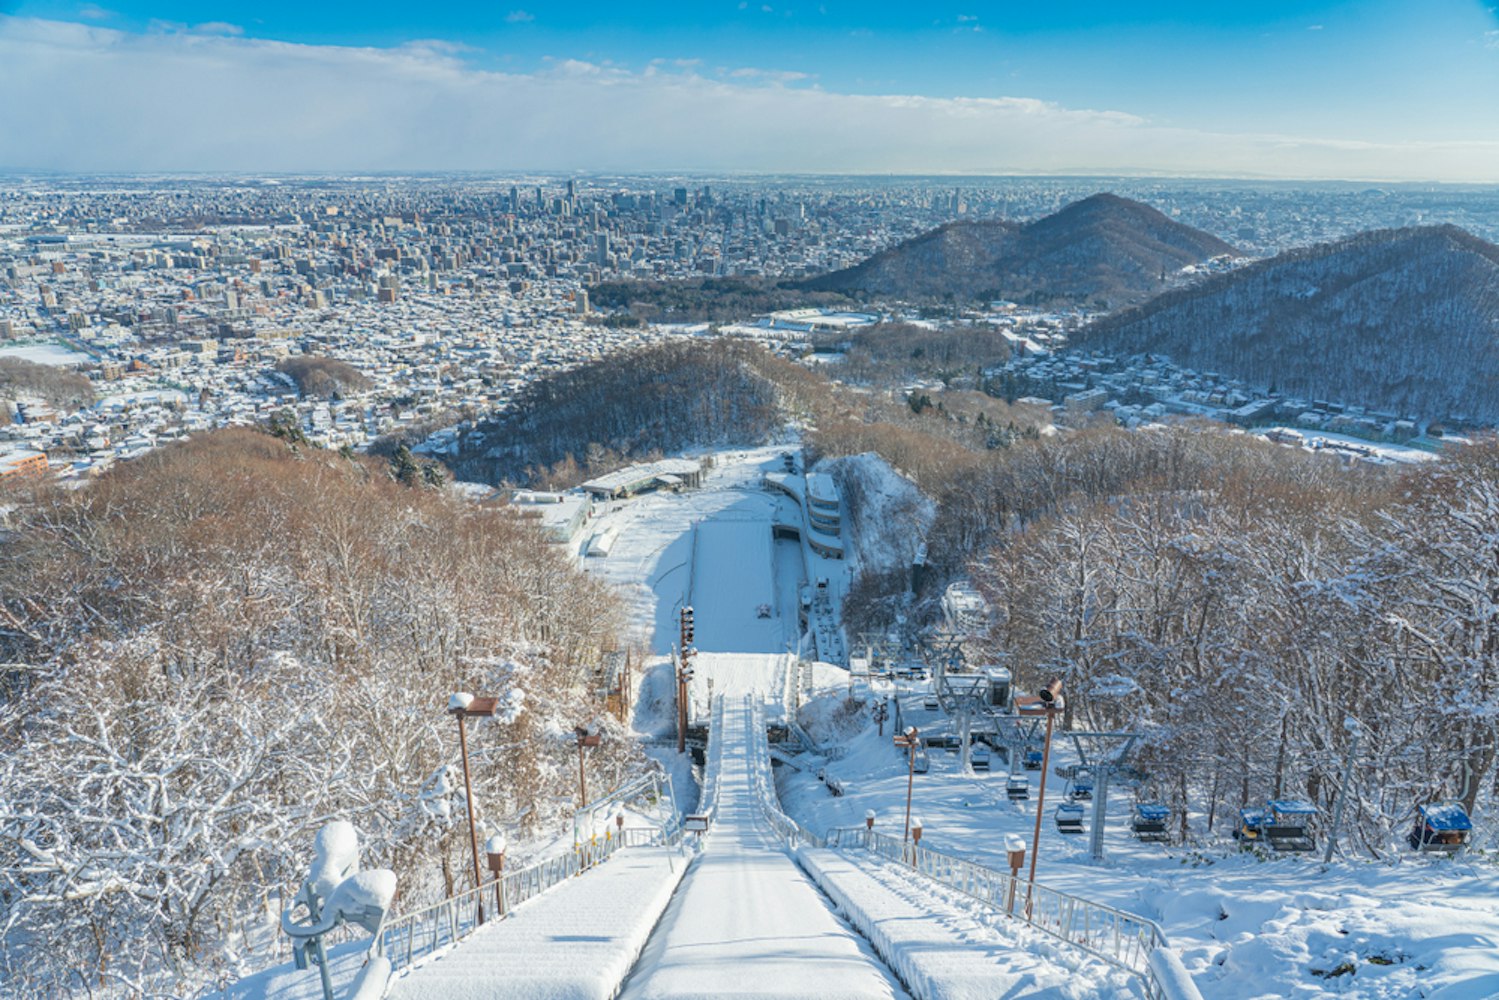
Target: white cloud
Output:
[
  {"x": 93, "y": 12},
  {"x": 82, "y": 97},
  {"x": 519, "y": 17},
  {"x": 218, "y": 28}
]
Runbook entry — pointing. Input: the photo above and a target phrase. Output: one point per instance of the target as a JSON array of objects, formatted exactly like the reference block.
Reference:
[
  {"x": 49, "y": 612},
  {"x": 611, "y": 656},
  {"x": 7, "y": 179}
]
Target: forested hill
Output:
[
  {"x": 1104, "y": 250},
  {"x": 631, "y": 406},
  {"x": 1405, "y": 320}
]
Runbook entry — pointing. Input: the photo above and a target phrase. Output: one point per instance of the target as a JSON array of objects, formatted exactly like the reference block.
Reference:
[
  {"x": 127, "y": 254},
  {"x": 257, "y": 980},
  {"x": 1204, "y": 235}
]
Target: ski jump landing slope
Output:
[{"x": 746, "y": 922}]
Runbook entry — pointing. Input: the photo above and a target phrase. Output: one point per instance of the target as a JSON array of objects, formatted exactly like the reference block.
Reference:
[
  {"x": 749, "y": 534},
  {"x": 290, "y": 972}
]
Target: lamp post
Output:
[
  {"x": 588, "y": 736},
  {"x": 461, "y": 706},
  {"x": 684, "y": 672},
  {"x": 494, "y": 849},
  {"x": 868, "y": 828},
  {"x": 1049, "y": 701},
  {"x": 908, "y": 739},
  {"x": 915, "y": 837},
  {"x": 619, "y": 828},
  {"x": 1015, "y": 847}
]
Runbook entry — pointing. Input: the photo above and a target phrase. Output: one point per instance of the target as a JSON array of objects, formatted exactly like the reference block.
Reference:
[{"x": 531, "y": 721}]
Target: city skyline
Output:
[{"x": 1309, "y": 90}]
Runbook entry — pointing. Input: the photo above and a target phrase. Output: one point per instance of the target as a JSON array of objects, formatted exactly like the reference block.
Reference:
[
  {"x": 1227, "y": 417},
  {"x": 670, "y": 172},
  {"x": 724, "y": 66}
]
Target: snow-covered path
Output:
[{"x": 746, "y": 922}]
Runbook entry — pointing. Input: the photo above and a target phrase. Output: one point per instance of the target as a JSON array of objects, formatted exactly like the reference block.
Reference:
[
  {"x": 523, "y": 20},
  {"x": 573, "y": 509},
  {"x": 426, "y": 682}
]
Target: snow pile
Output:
[
  {"x": 335, "y": 856},
  {"x": 346, "y": 965}
]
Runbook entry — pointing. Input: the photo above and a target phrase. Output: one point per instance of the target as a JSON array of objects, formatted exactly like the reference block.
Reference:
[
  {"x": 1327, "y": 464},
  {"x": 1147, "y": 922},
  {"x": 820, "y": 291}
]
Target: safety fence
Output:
[
  {"x": 1125, "y": 940},
  {"x": 763, "y": 782},
  {"x": 413, "y": 936}
]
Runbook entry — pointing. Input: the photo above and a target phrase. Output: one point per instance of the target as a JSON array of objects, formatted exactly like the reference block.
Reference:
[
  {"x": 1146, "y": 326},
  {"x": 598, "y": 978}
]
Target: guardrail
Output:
[
  {"x": 712, "y": 760},
  {"x": 762, "y": 782},
  {"x": 1128, "y": 941},
  {"x": 414, "y": 936}
]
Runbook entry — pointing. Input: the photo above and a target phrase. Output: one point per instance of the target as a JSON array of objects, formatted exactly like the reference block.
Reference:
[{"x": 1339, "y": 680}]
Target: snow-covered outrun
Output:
[{"x": 743, "y": 911}]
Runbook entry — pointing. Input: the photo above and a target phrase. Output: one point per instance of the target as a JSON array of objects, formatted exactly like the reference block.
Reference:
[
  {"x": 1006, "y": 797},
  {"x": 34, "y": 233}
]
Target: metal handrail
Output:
[
  {"x": 1123, "y": 939},
  {"x": 762, "y": 783},
  {"x": 416, "y": 935}
]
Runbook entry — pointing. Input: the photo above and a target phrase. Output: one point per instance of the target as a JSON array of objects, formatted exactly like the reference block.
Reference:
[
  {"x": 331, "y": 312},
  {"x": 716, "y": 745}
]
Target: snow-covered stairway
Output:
[
  {"x": 575, "y": 942},
  {"x": 746, "y": 921}
]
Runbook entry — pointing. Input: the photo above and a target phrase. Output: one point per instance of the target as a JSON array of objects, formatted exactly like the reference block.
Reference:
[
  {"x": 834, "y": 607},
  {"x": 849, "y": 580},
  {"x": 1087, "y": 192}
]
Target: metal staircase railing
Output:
[{"x": 1128, "y": 941}]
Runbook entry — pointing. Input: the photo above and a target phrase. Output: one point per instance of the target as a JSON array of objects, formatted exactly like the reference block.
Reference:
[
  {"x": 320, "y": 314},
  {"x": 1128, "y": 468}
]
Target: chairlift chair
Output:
[
  {"x": 1032, "y": 760},
  {"x": 1287, "y": 830},
  {"x": 978, "y": 757},
  {"x": 1149, "y": 822},
  {"x": 1441, "y": 827},
  {"x": 1080, "y": 786},
  {"x": 1069, "y": 817},
  {"x": 1250, "y": 828},
  {"x": 1018, "y": 787}
]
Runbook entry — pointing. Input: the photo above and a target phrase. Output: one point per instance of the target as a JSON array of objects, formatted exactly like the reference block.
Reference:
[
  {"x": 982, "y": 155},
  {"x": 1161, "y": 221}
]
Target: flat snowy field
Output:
[{"x": 45, "y": 354}]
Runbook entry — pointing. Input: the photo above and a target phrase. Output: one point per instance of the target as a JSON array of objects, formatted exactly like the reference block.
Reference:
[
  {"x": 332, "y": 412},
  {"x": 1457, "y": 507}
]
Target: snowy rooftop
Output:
[{"x": 623, "y": 478}]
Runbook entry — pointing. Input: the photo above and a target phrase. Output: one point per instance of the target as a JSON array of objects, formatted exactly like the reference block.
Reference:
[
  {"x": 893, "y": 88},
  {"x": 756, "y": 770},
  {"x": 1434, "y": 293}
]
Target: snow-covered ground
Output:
[
  {"x": 575, "y": 942},
  {"x": 45, "y": 354},
  {"x": 1247, "y": 929},
  {"x": 747, "y": 922},
  {"x": 712, "y": 548},
  {"x": 944, "y": 949}
]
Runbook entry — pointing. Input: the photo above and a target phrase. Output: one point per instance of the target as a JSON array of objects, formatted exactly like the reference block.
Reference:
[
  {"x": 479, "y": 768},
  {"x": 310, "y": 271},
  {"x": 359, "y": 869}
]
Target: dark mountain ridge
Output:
[
  {"x": 1405, "y": 320},
  {"x": 1104, "y": 250}
]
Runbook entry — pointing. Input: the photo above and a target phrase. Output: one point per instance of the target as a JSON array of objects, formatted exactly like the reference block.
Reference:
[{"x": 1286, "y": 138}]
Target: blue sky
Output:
[{"x": 1354, "y": 77}]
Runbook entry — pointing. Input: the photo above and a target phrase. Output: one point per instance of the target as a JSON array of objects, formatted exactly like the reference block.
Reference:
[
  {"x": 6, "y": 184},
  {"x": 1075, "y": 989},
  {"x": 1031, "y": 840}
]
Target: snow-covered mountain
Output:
[
  {"x": 1400, "y": 319},
  {"x": 1104, "y": 249}
]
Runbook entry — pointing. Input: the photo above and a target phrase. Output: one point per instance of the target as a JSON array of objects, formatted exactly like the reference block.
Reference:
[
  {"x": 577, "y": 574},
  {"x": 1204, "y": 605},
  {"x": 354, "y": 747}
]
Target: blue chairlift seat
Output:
[
  {"x": 1032, "y": 760},
  {"x": 1249, "y": 829},
  {"x": 1069, "y": 817},
  {"x": 1081, "y": 786},
  {"x": 1018, "y": 787},
  {"x": 1441, "y": 827},
  {"x": 979, "y": 757},
  {"x": 1149, "y": 822}
]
